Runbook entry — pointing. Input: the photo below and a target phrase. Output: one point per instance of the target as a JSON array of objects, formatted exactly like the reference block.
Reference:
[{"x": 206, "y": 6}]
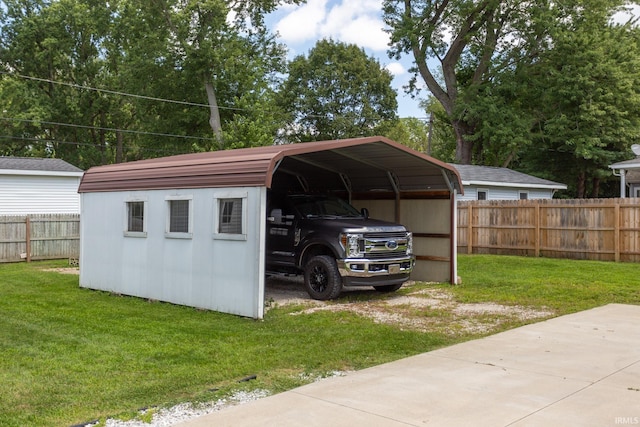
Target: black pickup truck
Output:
[{"x": 335, "y": 245}]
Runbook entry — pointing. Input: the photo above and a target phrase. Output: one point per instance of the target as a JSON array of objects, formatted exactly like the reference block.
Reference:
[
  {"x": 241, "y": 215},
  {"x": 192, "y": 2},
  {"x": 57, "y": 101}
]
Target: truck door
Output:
[{"x": 280, "y": 234}]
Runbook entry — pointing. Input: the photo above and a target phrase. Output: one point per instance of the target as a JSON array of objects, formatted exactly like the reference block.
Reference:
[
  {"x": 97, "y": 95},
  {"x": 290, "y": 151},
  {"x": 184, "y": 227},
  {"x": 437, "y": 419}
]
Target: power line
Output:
[
  {"x": 149, "y": 98},
  {"x": 114, "y": 92},
  {"x": 105, "y": 128},
  {"x": 89, "y": 144}
]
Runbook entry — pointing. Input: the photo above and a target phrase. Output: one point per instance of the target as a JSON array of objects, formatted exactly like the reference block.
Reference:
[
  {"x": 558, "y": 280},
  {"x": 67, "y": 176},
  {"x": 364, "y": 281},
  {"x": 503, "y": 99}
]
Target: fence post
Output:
[
  {"x": 28, "y": 237},
  {"x": 537, "y": 231},
  {"x": 470, "y": 230},
  {"x": 616, "y": 231}
]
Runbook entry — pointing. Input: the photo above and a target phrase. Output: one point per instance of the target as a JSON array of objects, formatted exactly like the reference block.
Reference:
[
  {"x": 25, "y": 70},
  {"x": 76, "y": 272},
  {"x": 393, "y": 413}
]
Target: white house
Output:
[
  {"x": 191, "y": 229},
  {"x": 38, "y": 186},
  {"x": 629, "y": 173},
  {"x": 495, "y": 183}
]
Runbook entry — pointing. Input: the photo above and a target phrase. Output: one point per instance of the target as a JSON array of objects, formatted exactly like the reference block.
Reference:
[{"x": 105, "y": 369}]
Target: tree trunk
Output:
[
  {"x": 595, "y": 189},
  {"x": 464, "y": 148},
  {"x": 214, "y": 118},
  {"x": 103, "y": 138},
  {"x": 580, "y": 190},
  {"x": 119, "y": 143}
]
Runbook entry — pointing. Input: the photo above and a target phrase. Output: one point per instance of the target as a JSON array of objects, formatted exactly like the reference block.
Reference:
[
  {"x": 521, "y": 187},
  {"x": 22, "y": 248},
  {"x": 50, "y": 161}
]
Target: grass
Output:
[
  {"x": 70, "y": 355},
  {"x": 566, "y": 286}
]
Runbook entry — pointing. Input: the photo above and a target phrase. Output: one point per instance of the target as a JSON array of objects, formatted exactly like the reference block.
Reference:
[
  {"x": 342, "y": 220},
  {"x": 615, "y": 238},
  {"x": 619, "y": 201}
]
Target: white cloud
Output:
[
  {"x": 302, "y": 23},
  {"x": 356, "y": 21},
  {"x": 396, "y": 69},
  {"x": 365, "y": 31}
]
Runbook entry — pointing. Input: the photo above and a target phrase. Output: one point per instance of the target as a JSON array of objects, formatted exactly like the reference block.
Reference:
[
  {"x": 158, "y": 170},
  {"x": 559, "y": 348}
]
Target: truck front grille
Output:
[{"x": 385, "y": 245}]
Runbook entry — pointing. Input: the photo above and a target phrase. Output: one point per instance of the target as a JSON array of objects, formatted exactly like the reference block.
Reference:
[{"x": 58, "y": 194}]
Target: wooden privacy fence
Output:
[
  {"x": 596, "y": 229},
  {"x": 38, "y": 237}
]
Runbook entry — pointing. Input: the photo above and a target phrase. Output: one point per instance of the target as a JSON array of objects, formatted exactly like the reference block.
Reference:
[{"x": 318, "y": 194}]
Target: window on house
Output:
[
  {"x": 482, "y": 195},
  {"x": 135, "y": 217},
  {"x": 523, "y": 195},
  {"x": 230, "y": 216},
  {"x": 179, "y": 217}
]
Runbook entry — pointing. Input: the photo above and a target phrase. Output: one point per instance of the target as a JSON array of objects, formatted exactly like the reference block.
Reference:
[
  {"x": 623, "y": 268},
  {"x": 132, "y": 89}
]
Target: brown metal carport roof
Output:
[{"x": 367, "y": 164}]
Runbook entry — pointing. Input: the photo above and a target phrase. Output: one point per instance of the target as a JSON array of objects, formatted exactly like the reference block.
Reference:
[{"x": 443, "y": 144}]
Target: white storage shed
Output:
[
  {"x": 30, "y": 185},
  {"x": 190, "y": 229}
]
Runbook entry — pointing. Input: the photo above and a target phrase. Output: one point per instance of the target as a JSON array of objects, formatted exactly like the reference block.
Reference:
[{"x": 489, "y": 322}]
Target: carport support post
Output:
[
  {"x": 453, "y": 239},
  {"x": 396, "y": 189}
]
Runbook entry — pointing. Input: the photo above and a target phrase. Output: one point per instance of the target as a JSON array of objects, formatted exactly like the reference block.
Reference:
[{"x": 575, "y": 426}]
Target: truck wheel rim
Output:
[{"x": 318, "y": 279}]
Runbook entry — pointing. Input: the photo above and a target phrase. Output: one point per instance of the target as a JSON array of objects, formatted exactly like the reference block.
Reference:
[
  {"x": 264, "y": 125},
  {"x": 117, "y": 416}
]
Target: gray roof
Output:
[
  {"x": 36, "y": 164},
  {"x": 491, "y": 175},
  {"x": 627, "y": 164}
]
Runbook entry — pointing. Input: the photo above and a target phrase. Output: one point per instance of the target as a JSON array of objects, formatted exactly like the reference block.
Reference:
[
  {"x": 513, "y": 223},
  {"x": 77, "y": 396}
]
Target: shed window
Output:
[
  {"x": 523, "y": 195},
  {"x": 179, "y": 220},
  {"x": 230, "y": 216},
  {"x": 482, "y": 194},
  {"x": 135, "y": 217},
  {"x": 179, "y": 216}
]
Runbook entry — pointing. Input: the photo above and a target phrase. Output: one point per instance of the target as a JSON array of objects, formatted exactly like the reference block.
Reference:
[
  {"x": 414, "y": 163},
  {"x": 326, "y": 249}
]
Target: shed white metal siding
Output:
[
  {"x": 38, "y": 193},
  {"x": 504, "y": 193},
  {"x": 203, "y": 270}
]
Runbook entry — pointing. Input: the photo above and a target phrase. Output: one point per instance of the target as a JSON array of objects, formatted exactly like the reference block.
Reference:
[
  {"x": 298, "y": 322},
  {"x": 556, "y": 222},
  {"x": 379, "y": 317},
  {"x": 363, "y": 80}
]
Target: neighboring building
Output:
[
  {"x": 494, "y": 183},
  {"x": 31, "y": 185},
  {"x": 191, "y": 229},
  {"x": 629, "y": 173}
]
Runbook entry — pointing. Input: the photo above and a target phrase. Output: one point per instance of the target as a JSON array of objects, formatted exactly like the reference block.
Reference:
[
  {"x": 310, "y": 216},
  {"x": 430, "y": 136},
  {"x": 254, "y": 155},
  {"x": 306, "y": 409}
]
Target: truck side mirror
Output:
[
  {"x": 365, "y": 212},
  {"x": 276, "y": 216}
]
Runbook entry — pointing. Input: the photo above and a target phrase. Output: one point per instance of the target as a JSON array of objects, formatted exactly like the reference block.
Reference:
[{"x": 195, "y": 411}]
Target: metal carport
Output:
[{"x": 392, "y": 181}]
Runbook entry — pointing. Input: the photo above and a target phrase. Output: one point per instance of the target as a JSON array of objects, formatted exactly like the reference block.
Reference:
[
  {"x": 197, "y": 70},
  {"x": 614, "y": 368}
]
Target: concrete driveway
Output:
[{"x": 581, "y": 369}]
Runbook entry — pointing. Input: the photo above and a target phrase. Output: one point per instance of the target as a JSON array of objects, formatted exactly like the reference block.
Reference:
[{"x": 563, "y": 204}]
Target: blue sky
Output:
[{"x": 349, "y": 21}]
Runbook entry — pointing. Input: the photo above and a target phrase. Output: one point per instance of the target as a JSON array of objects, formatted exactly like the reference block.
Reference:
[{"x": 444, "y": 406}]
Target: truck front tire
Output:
[{"x": 321, "y": 278}]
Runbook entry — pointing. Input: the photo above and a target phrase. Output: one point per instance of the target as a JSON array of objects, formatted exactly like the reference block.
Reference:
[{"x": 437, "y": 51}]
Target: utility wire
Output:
[
  {"x": 113, "y": 92},
  {"x": 86, "y": 144},
  {"x": 104, "y": 128},
  {"x": 149, "y": 98}
]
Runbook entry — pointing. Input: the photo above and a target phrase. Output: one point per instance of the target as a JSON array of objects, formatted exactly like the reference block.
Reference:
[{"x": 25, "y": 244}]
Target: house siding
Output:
[
  {"x": 39, "y": 194},
  {"x": 201, "y": 271},
  {"x": 504, "y": 193}
]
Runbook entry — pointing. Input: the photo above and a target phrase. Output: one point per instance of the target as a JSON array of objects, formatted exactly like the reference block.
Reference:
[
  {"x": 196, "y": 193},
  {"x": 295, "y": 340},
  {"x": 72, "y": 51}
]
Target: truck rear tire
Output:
[{"x": 321, "y": 278}]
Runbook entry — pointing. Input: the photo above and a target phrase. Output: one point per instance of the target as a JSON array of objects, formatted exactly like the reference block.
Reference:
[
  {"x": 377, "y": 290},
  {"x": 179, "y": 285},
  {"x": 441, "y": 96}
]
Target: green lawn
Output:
[{"x": 71, "y": 355}]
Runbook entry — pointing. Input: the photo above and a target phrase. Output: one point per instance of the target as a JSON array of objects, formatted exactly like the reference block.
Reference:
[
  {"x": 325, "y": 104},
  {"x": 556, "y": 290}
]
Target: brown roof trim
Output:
[{"x": 228, "y": 168}]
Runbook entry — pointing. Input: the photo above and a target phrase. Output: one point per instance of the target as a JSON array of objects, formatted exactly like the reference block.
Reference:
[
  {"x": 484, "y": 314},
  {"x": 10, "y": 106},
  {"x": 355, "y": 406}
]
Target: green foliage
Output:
[
  {"x": 53, "y": 52},
  {"x": 337, "y": 92},
  {"x": 549, "y": 89},
  {"x": 587, "y": 112},
  {"x": 414, "y": 133}
]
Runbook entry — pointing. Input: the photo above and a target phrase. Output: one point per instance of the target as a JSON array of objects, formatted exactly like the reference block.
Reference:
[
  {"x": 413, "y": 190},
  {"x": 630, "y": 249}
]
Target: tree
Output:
[
  {"x": 460, "y": 49},
  {"x": 57, "y": 41},
  {"x": 432, "y": 136},
  {"x": 212, "y": 58},
  {"x": 337, "y": 92},
  {"x": 587, "y": 102}
]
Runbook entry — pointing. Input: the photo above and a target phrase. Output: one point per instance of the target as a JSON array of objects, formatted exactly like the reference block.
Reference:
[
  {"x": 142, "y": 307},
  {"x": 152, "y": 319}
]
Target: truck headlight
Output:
[
  {"x": 352, "y": 244},
  {"x": 409, "y": 243}
]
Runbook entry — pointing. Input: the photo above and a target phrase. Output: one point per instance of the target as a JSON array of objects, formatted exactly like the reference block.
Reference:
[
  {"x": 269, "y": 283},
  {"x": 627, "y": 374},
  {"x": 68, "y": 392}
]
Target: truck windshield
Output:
[{"x": 310, "y": 206}]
